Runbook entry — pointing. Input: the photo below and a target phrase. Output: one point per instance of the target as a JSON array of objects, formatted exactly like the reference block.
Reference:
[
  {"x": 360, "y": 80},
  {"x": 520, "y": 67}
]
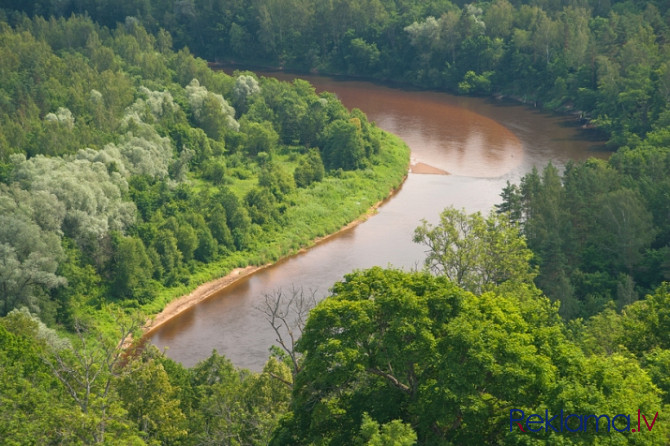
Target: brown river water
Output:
[{"x": 481, "y": 143}]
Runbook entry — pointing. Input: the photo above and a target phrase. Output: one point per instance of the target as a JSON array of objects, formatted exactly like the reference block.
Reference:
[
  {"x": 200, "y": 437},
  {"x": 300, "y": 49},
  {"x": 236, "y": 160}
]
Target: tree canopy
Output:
[
  {"x": 417, "y": 352},
  {"x": 474, "y": 252}
]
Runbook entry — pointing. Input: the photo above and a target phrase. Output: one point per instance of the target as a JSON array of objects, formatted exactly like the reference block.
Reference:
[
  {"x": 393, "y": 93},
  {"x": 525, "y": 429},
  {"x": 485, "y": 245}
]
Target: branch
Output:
[
  {"x": 392, "y": 379},
  {"x": 279, "y": 378},
  {"x": 287, "y": 315}
]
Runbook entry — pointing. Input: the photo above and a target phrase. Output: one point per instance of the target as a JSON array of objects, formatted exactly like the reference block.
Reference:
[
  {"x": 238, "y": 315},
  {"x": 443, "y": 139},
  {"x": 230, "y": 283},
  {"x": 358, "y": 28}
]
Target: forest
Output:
[{"x": 130, "y": 172}]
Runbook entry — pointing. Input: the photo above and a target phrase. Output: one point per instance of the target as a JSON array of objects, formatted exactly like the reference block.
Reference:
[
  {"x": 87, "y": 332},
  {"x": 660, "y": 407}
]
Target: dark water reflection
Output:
[{"x": 482, "y": 143}]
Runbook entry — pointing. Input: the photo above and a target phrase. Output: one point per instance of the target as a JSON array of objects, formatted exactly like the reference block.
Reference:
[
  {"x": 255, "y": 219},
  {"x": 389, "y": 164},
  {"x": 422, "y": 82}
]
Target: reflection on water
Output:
[{"x": 481, "y": 143}]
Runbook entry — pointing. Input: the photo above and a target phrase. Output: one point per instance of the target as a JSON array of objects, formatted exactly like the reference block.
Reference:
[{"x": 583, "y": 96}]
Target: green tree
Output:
[
  {"x": 131, "y": 270},
  {"x": 211, "y": 111},
  {"x": 83, "y": 285},
  {"x": 87, "y": 370},
  {"x": 499, "y": 18},
  {"x": 474, "y": 252},
  {"x": 237, "y": 217},
  {"x": 30, "y": 248},
  {"x": 395, "y": 433},
  {"x": 343, "y": 145},
  {"x": 362, "y": 57},
  {"x": 277, "y": 179},
  {"x": 625, "y": 227},
  {"x": 165, "y": 245},
  {"x": 187, "y": 241},
  {"x": 219, "y": 227},
  {"x": 150, "y": 399},
  {"x": 260, "y": 137},
  {"x": 33, "y": 407},
  {"x": 261, "y": 205},
  {"x": 417, "y": 349},
  {"x": 511, "y": 203},
  {"x": 234, "y": 406},
  {"x": 310, "y": 169}
]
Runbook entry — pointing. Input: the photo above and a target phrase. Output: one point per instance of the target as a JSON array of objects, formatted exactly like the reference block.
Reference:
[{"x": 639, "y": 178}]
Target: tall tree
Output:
[{"x": 474, "y": 252}]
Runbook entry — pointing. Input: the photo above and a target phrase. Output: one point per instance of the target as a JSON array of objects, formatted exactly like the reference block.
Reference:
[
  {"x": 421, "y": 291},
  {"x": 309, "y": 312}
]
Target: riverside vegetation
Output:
[{"x": 131, "y": 172}]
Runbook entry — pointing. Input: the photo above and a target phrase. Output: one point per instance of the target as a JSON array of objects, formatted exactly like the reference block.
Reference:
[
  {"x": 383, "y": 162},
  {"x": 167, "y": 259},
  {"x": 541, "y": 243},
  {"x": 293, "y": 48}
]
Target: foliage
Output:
[
  {"x": 89, "y": 391},
  {"x": 599, "y": 232},
  {"x": 127, "y": 168},
  {"x": 309, "y": 170},
  {"x": 126, "y": 175},
  {"x": 134, "y": 153},
  {"x": 605, "y": 60},
  {"x": 394, "y": 433},
  {"x": 474, "y": 252},
  {"x": 414, "y": 352}
]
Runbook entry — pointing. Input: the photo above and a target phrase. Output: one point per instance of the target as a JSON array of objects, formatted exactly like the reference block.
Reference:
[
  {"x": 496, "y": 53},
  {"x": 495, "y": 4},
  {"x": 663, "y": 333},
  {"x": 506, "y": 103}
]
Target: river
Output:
[{"x": 481, "y": 143}]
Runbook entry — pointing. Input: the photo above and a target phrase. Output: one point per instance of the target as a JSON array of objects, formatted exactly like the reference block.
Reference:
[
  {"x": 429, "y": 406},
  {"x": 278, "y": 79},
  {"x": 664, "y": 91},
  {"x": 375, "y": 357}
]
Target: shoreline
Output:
[
  {"x": 208, "y": 289},
  {"x": 580, "y": 117}
]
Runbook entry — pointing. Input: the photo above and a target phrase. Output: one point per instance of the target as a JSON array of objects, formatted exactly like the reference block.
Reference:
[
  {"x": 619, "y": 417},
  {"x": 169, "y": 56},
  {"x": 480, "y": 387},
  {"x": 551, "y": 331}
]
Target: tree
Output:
[
  {"x": 549, "y": 233},
  {"x": 511, "y": 203},
  {"x": 474, "y": 252},
  {"x": 287, "y": 312},
  {"x": 88, "y": 371},
  {"x": 309, "y": 170},
  {"x": 499, "y": 17},
  {"x": 207, "y": 245},
  {"x": 626, "y": 227},
  {"x": 237, "y": 217},
  {"x": 34, "y": 409},
  {"x": 260, "y": 137},
  {"x": 187, "y": 241},
  {"x": 211, "y": 111},
  {"x": 235, "y": 406},
  {"x": 131, "y": 270},
  {"x": 165, "y": 245},
  {"x": 219, "y": 227},
  {"x": 150, "y": 399},
  {"x": 411, "y": 350},
  {"x": 30, "y": 248},
  {"x": 474, "y": 83},
  {"x": 276, "y": 179},
  {"x": 246, "y": 86},
  {"x": 343, "y": 145},
  {"x": 394, "y": 433},
  {"x": 262, "y": 205},
  {"x": 362, "y": 57}
]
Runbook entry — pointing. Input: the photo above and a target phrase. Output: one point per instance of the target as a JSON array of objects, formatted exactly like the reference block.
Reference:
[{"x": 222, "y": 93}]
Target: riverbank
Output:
[
  {"x": 334, "y": 205},
  {"x": 209, "y": 289},
  {"x": 580, "y": 118}
]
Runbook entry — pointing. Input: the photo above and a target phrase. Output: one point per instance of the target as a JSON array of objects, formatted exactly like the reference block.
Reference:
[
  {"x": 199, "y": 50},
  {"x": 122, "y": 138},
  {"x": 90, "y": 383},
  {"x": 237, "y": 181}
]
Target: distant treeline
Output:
[{"x": 606, "y": 59}]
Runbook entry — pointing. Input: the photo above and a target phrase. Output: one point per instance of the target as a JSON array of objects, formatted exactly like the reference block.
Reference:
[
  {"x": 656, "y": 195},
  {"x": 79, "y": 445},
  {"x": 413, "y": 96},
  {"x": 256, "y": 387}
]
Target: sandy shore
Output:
[
  {"x": 426, "y": 169},
  {"x": 206, "y": 290},
  {"x": 183, "y": 303}
]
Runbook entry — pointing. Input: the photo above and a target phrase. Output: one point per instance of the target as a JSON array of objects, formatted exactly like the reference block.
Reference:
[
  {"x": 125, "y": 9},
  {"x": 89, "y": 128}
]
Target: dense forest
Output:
[
  {"x": 130, "y": 172},
  {"x": 604, "y": 59},
  {"x": 126, "y": 170}
]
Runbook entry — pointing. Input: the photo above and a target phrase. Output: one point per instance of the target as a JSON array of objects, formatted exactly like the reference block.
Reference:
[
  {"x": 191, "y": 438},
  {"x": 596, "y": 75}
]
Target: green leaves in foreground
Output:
[{"x": 391, "y": 347}]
